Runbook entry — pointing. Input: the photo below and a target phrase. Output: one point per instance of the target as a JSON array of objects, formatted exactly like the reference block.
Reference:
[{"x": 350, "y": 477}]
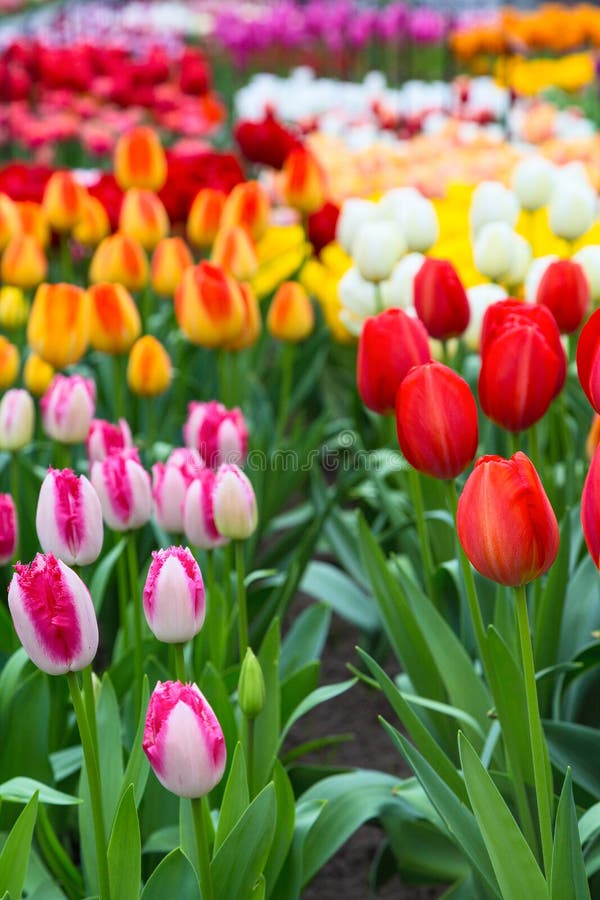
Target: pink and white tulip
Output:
[
  {"x": 69, "y": 518},
  {"x": 105, "y": 438},
  {"x": 174, "y": 597},
  {"x": 183, "y": 740},
  {"x": 198, "y": 515},
  {"x": 68, "y": 408},
  {"x": 9, "y": 528},
  {"x": 234, "y": 504},
  {"x": 219, "y": 434},
  {"x": 170, "y": 482},
  {"x": 124, "y": 489},
  {"x": 17, "y": 419},
  {"x": 53, "y": 615}
]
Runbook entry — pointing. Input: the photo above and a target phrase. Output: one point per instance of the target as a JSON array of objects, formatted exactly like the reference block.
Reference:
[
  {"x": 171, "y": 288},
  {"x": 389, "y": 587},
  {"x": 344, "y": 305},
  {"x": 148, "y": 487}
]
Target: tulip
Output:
[
  {"x": 377, "y": 248},
  {"x": 357, "y": 295},
  {"x": 143, "y": 218},
  {"x": 124, "y": 490},
  {"x": 505, "y": 522},
  {"x": 251, "y": 686},
  {"x": 53, "y": 615},
  {"x": 564, "y": 290},
  {"x": 149, "y": 370},
  {"x": 593, "y": 438},
  {"x": 321, "y": 226},
  {"x": 220, "y": 435},
  {"x": 9, "y": 529},
  {"x": 415, "y": 215},
  {"x": 140, "y": 160},
  {"x": 252, "y": 326},
  {"x": 589, "y": 260},
  {"x": 533, "y": 182},
  {"x": 590, "y": 508},
  {"x": 17, "y": 419},
  {"x": 104, "y": 438},
  {"x": 63, "y": 201},
  {"x": 68, "y": 520},
  {"x": 480, "y": 298},
  {"x": 115, "y": 322},
  {"x": 34, "y": 221},
  {"x": 436, "y": 418},
  {"x": 58, "y": 329},
  {"x": 23, "y": 262},
  {"x": 304, "y": 185},
  {"x": 291, "y": 315},
  {"x": 93, "y": 225},
  {"x": 492, "y": 202},
  {"x": 247, "y": 205},
  {"x": 68, "y": 408},
  {"x": 572, "y": 210},
  {"x": 234, "y": 503},
  {"x": 521, "y": 259},
  {"x": 588, "y": 359},
  {"x": 399, "y": 288},
  {"x": 170, "y": 482},
  {"x": 235, "y": 253},
  {"x": 390, "y": 345},
  {"x": 205, "y": 216},
  {"x": 440, "y": 299},
  {"x": 10, "y": 362},
  {"x": 354, "y": 214},
  {"x": 121, "y": 260},
  {"x": 493, "y": 250},
  {"x": 523, "y": 364},
  {"x": 14, "y": 308},
  {"x": 170, "y": 260},
  {"x": 209, "y": 306},
  {"x": 535, "y": 274},
  {"x": 183, "y": 740},
  {"x": 174, "y": 600},
  {"x": 198, "y": 513},
  {"x": 37, "y": 375},
  {"x": 10, "y": 221}
]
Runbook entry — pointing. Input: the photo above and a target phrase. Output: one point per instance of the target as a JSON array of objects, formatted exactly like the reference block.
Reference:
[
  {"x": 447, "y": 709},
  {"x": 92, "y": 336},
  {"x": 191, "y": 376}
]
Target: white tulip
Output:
[
  {"x": 357, "y": 295},
  {"x": 572, "y": 210},
  {"x": 492, "y": 202},
  {"x": 481, "y": 297},
  {"x": 398, "y": 289},
  {"x": 533, "y": 182},
  {"x": 352, "y": 322},
  {"x": 376, "y": 249},
  {"x": 535, "y": 274},
  {"x": 589, "y": 260},
  {"x": 415, "y": 215},
  {"x": 520, "y": 261},
  {"x": 494, "y": 250},
  {"x": 354, "y": 213},
  {"x": 393, "y": 204}
]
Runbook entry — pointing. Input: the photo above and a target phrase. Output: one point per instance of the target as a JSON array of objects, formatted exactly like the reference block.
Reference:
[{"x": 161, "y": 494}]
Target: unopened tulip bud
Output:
[
  {"x": 63, "y": 201},
  {"x": 205, "y": 216},
  {"x": 291, "y": 314},
  {"x": 492, "y": 202},
  {"x": 149, "y": 370},
  {"x": 564, "y": 290},
  {"x": 219, "y": 434},
  {"x": 10, "y": 362},
  {"x": 9, "y": 529},
  {"x": 355, "y": 212},
  {"x": 59, "y": 324},
  {"x": 251, "y": 686},
  {"x": 24, "y": 263},
  {"x": 69, "y": 518},
  {"x": 533, "y": 182},
  {"x": 124, "y": 488},
  {"x": 440, "y": 299},
  {"x": 14, "y": 308},
  {"x": 122, "y": 260},
  {"x": 105, "y": 438},
  {"x": 174, "y": 601},
  {"x": 53, "y": 615},
  {"x": 143, "y": 217},
  {"x": 494, "y": 249},
  {"x": 209, "y": 306},
  {"x": 170, "y": 482},
  {"x": 304, "y": 185},
  {"x": 198, "y": 513},
  {"x": 247, "y": 205},
  {"x": 17, "y": 419},
  {"x": 37, "y": 375},
  {"x": 234, "y": 504},
  {"x": 183, "y": 740},
  {"x": 252, "y": 326},
  {"x": 377, "y": 248},
  {"x": 572, "y": 210},
  {"x": 170, "y": 260},
  {"x": 115, "y": 320},
  {"x": 140, "y": 160},
  {"x": 34, "y": 221},
  {"x": 68, "y": 408},
  {"x": 235, "y": 253},
  {"x": 93, "y": 225}
]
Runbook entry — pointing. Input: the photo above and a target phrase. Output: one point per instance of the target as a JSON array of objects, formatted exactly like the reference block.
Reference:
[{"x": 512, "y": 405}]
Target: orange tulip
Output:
[
  {"x": 37, "y": 375},
  {"x": 252, "y": 321},
  {"x": 93, "y": 225},
  {"x": 291, "y": 315},
  {"x": 209, "y": 306},
  {"x": 63, "y": 201},
  {"x": 140, "y": 160},
  {"x": 143, "y": 217},
  {"x": 24, "y": 263},
  {"x": 170, "y": 260},
  {"x": 120, "y": 259},
  {"x": 33, "y": 221},
  {"x": 59, "y": 323},
  {"x": 9, "y": 363},
  {"x": 149, "y": 371},
  {"x": 593, "y": 438},
  {"x": 235, "y": 252},
  {"x": 114, "y": 321},
  {"x": 10, "y": 221},
  {"x": 205, "y": 216},
  {"x": 247, "y": 205},
  {"x": 303, "y": 181}
]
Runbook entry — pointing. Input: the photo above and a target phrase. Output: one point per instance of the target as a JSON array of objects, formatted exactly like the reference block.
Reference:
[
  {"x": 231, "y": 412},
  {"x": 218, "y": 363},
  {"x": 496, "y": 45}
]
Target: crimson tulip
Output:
[
  {"x": 440, "y": 299},
  {"x": 565, "y": 291},
  {"x": 590, "y": 508},
  {"x": 588, "y": 359}
]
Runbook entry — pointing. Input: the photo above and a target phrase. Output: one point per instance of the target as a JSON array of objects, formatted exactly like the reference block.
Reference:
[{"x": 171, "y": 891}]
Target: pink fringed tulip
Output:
[
  {"x": 68, "y": 408},
  {"x": 198, "y": 515},
  {"x": 9, "y": 529},
  {"x": 53, "y": 615},
  {"x": 123, "y": 486},
  {"x": 69, "y": 518},
  {"x": 234, "y": 504},
  {"x": 183, "y": 740},
  {"x": 219, "y": 434},
  {"x": 174, "y": 601},
  {"x": 17, "y": 419},
  {"x": 170, "y": 482},
  {"x": 104, "y": 438}
]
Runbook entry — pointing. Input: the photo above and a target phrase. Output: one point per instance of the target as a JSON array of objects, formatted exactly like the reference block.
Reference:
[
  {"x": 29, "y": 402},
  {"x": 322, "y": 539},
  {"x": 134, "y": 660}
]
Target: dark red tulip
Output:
[
  {"x": 322, "y": 225},
  {"x": 440, "y": 299},
  {"x": 588, "y": 359},
  {"x": 590, "y": 508},
  {"x": 436, "y": 418},
  {"x": 565, "y": 291},
  {"x": 391, "y": 343},
  {"x": 505, "y": 522}
]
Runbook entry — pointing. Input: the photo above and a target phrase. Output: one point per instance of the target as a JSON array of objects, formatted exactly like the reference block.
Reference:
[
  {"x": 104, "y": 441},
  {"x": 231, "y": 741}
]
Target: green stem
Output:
[
  {"x": 93, "y": 777},
  {"x": 138, "y": 652},
  {"x": 419, "y": 507},
  {"x": 287, "y": 369},
  {"x": 514, "y": 442},
  {"x": 536, "y": 734},
  {"x": 123, "y": 593},
  {"x": 223, "y": 373},
  {"x": 146, "y": 305},
  {"x": 241, "y": 598},
  {"x": 15, "y": 489},
  {"x": 534, "y": 448},
  {"x": 180, "y": 663},
  {"x": 118, "y": 383},
  {"x": 66, "y": 260},
  {"x": 62, "y": 455},
  {"x": 214, "y": 630},
  {"x": 569, "y": 455},
  {"x": 206, "y": 887},
  {"x": 90, "y": 704}
]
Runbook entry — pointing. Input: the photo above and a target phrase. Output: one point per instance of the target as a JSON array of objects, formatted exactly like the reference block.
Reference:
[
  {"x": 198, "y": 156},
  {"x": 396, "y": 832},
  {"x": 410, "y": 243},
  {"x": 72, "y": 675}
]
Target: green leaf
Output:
[
  {"x": 284, "y": 828},
  {"x": 589, "y": 823},
  {"x": 124, "y": 850},
  {"x": 568, "y": 879},
  {"x": 235, "y": 799},
  {"x": 459, "y": 714},
  {"x": 332, "y": 586},
  {"x": 138, "y": 767},
  {"x": 102, "y": 573},
  {"x": 289, "y": 883},
  {"x": 321, "y": 695},
  {"x": 14, "y": 858},
  {"x": 242, "y": 856},
  {"x": 66, "y": 762},
  {"x": 513, "y": 862},
  {"x": 109, "y": 748},
  {"x": 305, "y": 640},
  {"x": 21, "y": 790},
  {"x": 297, "y": 686},
  {"x": 162, "y": 841},
  {"x": 267, "y": 723},
  {"x": 576, "y": 746},
  {"x": 173, "y": 877},
  {"x": 549, "y": 611}
]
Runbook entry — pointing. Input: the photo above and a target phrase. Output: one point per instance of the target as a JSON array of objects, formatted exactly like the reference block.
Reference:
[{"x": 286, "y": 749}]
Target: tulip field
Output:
[{"x": 299, "y": 375}]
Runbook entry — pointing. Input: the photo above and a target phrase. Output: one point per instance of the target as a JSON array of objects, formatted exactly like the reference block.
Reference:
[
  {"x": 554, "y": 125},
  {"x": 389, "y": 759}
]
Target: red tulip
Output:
[
  {"x": 436, "y": 418},
  {"x": 440, "y": 299},
  {"x": 505, "y": 522},
  {"x": 391, "y": 343},
  {"x": 266, "y": 142},
  {"x": 588, "y": 359},
  {"x": 523, "y": 363},
  {"x": 322, "y": 225},
  {"x": 565, "y": 291},
  {"x": 590, "y": 509}
]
